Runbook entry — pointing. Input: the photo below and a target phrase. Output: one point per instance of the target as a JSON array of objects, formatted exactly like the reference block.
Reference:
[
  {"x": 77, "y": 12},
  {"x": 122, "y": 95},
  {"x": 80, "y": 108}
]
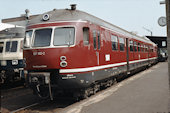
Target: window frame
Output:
[
  {"x": 85, "y": 44},
  {"x": 53, "y": 36},
  {"x": 3, "y": 44},
  {"x": 52, "y": 30},
  {"x": 114, "y": 42},
  {"x": 94, "y": 39},
  {"x": 98, "y": 40},
  {"x": 135, "y": 46},
  {"x": 121, "y": 43},
  {"x": 11, "y": 46},
  {"x": 131, "y": 44}
]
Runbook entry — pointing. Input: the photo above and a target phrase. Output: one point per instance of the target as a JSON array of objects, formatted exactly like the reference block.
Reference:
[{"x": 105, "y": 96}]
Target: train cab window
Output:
[
  {"x": 64, "y": 36},
  {"x": 131, "y": 45},
  {"x": 42, "y": 37},
  {"x": 98, "y": 36},
  {"x": 11, "y": 46},
  {"x": 139, "y": 48},
  {"x": 122, "y": 44},
  {"x": 27, "y": 39},
  {"x": 135, "y": 47},
  {"x": 94, "y": 39},
  {"x": 1, "y": 46},
  {"x": 114, "y": 41},
  {"x": 86, "y": 35}
]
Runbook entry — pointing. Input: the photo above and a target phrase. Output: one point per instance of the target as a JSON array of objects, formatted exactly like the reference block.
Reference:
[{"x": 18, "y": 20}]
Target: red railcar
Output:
[{"x": 71, "y": 51}]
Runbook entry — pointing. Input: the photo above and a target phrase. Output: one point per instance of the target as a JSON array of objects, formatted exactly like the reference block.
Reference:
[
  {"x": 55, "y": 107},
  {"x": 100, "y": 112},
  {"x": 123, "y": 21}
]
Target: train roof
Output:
[
  {"x": 77, "y": 15},
  {"x": 14, "y": 32}
]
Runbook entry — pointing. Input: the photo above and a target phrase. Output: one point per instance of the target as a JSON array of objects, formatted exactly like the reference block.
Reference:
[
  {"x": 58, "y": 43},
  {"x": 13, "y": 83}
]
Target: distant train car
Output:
[
  {"x": 162, "y": 54},
  {"x": 74, "y": 52},
  {"x": 11, "y": 54}
]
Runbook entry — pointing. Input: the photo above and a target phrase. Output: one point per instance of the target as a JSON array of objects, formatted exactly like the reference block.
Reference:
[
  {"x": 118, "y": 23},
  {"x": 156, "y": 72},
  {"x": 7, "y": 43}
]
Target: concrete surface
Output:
[{"x": 145, "y": 92}]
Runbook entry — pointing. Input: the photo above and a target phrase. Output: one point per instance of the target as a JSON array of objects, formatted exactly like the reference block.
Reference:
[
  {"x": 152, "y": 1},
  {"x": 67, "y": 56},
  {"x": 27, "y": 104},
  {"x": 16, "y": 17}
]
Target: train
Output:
[
  {"x": 72, "y": 52},
  {"x": 162, "y": 54},
  {"x": 11, "y": 55}
]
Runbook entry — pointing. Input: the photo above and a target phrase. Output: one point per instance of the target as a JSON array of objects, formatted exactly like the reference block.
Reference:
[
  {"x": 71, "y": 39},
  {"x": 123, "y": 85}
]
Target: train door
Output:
[
  {"x": 97, "y": 44},
  {"x": 127, "y": 54},
  {"x": 131, "y": 54}
]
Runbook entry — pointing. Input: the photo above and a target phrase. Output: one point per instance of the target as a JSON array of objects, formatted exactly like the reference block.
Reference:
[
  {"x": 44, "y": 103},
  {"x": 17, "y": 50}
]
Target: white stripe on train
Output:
[{"x": 78, "y": 70}]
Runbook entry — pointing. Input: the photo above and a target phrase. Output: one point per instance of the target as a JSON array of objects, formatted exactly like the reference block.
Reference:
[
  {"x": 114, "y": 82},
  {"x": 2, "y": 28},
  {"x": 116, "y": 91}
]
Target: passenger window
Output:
[
  {"x": 146, "y": 49},
  {"x": 98, "y": 35},
  {"x": 114, "y": 42},
  {"x": 86, "y": 35},
  {"x": 122, "y": 44},
  {"x": 139, "y": 47},
  {"x": 135, "y": 46},
  {"x": 131, "y": 45},
  {"x": 94, "y": 39}
]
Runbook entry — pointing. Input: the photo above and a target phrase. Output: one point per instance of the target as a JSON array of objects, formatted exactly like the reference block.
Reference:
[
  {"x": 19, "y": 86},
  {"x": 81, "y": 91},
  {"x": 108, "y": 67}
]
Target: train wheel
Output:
[
  {"x": 96, "y": 88},
  {"x": 114, "y": 81},
  {"x": 85, "y": 94}
]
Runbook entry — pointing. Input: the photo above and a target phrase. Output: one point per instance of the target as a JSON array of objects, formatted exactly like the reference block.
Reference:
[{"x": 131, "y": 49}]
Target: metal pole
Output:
[
  {"x": 168, "y": 39},
  {"x": 168, "y": 32}
]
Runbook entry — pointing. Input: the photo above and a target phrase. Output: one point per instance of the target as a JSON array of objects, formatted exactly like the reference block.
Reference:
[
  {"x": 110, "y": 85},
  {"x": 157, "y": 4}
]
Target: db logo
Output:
[{"x": 38, "y": 53}]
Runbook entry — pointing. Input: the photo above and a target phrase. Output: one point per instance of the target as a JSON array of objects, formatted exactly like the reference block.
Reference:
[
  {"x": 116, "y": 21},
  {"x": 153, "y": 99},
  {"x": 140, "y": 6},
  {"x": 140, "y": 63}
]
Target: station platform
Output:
[{"x": 145, "y": 92}]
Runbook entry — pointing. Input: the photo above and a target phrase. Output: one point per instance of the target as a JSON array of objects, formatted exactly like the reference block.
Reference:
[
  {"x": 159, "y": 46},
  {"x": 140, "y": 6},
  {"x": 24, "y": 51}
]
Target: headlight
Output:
[
  {"x": 14, "y": 62},
  {"x": 3, "y": 63},
  {"x": 63, "y": 63}
]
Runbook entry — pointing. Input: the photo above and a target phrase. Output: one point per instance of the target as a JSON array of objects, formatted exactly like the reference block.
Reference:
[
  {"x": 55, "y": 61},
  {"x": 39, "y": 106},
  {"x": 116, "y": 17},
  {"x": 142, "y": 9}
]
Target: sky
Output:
[{"x": 132, "y": 15}]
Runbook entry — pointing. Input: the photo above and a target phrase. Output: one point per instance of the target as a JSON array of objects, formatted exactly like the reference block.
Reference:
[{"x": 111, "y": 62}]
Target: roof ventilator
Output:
[
  {"x": 46, "y": 17},
  {"x": 73, "y": 6}
]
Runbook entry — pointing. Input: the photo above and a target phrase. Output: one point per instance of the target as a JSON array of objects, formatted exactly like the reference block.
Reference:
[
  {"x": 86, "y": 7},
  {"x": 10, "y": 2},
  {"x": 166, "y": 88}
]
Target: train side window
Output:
[
  {"x": 1, "y": 46},
  {"x": 114, "y": 41},
  {"x": 146, "y": 49},
  {"x": 139, "y": 49},
  {"x": 85, "y": 35},
  {"x": 135, "y": 46},
  {"x": 142, "y": 47},
  {"x": 131, "y": 45},
  {"x": 98, "y": 35},
  {"x": 122, "y": 44},
  {"x": 94, "y": 39}
]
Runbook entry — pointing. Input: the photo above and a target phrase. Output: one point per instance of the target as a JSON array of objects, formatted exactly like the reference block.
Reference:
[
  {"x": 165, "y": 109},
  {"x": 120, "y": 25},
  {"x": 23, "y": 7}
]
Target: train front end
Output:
[{"x": 49, "y": 50}]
